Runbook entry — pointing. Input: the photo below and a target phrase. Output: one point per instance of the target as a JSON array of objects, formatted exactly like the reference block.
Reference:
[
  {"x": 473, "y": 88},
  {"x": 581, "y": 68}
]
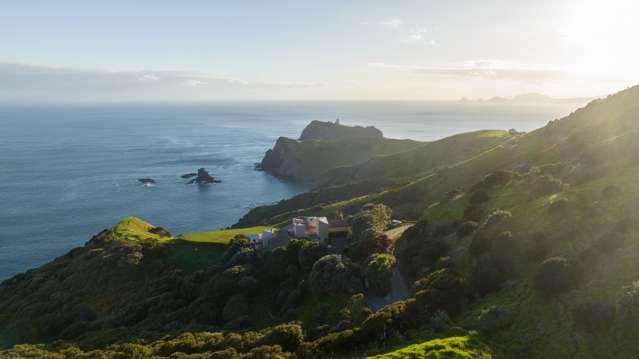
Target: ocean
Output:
[{"x": 69, "y": 171}]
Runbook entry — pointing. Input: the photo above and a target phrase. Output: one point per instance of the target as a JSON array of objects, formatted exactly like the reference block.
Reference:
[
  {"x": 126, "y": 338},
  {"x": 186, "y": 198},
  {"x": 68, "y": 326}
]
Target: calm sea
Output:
[{"x": 67, "y": 172}]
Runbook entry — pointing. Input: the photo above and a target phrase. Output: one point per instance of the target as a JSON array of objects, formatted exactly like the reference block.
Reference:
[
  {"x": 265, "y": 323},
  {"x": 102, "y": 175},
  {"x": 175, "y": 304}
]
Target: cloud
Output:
[
  {"x": 29, "y": 83},
  {"x": 492, "y": 69},
  {"x": 149, "y": 77},
  {"x": 195, "y": 83},
  {"x": 394, "y": 23}
]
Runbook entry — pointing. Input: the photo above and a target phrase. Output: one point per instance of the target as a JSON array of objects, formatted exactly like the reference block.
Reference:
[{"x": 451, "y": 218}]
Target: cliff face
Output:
[{"x": 324, "y": 146}]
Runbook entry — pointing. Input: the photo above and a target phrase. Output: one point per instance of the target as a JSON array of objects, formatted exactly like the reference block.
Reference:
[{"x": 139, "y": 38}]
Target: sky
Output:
[{"x": 161, "y": 50}]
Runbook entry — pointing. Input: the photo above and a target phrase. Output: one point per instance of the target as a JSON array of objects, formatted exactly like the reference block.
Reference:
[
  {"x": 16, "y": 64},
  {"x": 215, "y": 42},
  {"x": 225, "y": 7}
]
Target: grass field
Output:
[
  {"x": 220, "y": 236},
  {"x": 453, "y": 348}
]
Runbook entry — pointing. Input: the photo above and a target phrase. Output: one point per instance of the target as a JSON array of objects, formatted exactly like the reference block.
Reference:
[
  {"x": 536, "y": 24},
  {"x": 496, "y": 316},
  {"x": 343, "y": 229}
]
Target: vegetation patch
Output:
[{"x": 453, "y": 348}]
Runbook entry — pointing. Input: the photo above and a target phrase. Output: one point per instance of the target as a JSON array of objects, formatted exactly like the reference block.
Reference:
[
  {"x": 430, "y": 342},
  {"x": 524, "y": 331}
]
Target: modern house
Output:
[{"x": 310, "y": 227}]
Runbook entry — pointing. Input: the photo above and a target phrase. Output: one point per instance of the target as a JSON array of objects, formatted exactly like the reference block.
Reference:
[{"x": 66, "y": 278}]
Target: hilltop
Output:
[
  {"x": 327, "y": 145},
  {"x": 524, "y": 246}
]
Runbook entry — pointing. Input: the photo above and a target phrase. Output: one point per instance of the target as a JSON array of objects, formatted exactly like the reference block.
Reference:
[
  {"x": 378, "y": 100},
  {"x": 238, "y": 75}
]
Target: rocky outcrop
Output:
[
  {"x": 203, "y": 177},
  {"x": 324, "y": 146},
  {"x": 333, "y": 131}
]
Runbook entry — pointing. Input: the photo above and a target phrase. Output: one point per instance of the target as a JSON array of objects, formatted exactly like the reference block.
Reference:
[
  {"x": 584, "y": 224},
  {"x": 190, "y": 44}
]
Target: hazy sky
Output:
[{"x": 123, "y": 50}]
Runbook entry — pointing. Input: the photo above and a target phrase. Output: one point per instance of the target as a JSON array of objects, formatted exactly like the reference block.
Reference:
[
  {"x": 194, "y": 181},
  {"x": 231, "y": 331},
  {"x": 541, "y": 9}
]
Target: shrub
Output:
[
  {"x": 371, "y": 242},
  {"x": 629, "y": 303},
  {"x": 379, "y": 273},
  {"x": 473, "y": 213},
  {"x": 498, "y": 218},
  {"x": 554, "y": 276},
  {"x": 467, "y": 228},
  {"x": 443, "y": 289},
  {"x": 227, "y": 282},
  {"x": 538, "y": 247},
  {"x": 558, "y": 206},
  {"x": 374, "y": 217},
  {"x": 310, "y": 252},
  {"x": 593, "y": 317},
  {"x": 334, "y": 274},
  {"x": 288, "y": 336},
  {"x": 478, "y": 197},
  {"x": 235, "y": 245},
  {"x": 444, "y": 230},
  {"x": 237, "y": 306},
  {"x": 485, "y": 277},
  {"x": 418, "y": 250},
  {"x": 546, "y": 185}
]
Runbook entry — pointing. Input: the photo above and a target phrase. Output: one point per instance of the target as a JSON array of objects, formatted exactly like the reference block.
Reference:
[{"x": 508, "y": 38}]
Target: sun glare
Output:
[{"x": 604, "y": 34}]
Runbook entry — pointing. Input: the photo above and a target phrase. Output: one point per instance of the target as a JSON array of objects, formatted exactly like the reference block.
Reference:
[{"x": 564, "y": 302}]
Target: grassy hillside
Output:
[
  {"x": 524, "y": 247},
  {"x": 221, "y": 236},
  {"x": 453, "y": 348}
]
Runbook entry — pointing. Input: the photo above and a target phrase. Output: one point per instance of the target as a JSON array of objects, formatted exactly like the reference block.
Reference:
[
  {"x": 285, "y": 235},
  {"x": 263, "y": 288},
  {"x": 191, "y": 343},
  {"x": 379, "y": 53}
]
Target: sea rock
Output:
[
  {"x": 189, "y": 175},
  {"x": 203, "y": 177},
  {"x": 146, "y": 181}
]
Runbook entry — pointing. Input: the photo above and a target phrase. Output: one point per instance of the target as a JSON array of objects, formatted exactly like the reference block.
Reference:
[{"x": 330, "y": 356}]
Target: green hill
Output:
[{"x": 524, "y": 246}]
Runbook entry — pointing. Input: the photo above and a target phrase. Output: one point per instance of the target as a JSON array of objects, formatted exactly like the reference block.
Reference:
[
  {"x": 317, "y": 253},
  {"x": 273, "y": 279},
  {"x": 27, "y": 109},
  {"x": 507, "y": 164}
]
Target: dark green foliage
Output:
[
  {"x": 379, "y": 272},
  {"x": 473, "y": 213},
  {"x": 628, "y": 304},
  {"x": 466, "y": 228},
  {"x": 485, "y": 276},
  {"x": 478, "y": 197},
  {"x": 499, "y": 218},
  {"x": 310, "y": 252},
  {"x": 558, "y": 206},
  {"x": 445, "y": 289},
  {"x": 372, "y": 217},
  {"x": 555, "y": 276},
  {"x": 227, "y": 282},
  {"x": 593, "y": 318},
  {"x": 497, "y": 178},
  {"x": 235, "y": 245},
  {"x": 237, "y": 306},
  {"x": 538, "y": 246},
  {"x": 546, "y": 185},
  {"x": 371, "y": 242},
  {"x": 334, "y": 274},
  {"x": 417, "y": 250},
  {"x": 444, "y": 230}
]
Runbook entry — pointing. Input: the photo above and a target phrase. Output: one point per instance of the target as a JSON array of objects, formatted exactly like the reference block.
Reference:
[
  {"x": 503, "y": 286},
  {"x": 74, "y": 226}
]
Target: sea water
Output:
[{"x": 69, "y": 171}]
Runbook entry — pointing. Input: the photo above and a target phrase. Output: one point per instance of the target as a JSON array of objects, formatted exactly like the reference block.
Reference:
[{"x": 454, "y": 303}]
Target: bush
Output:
[
  {"x": 379, "y": 274},
  {"x": 310, "y": 252},
  {"x": 473, "y": 213},
  {"x": 237, "y": 306},
  {"x": 371, "y": 242},
  {"x": 467, "y": 228},
  {"x": 418, "y": 250},
  {"x": 334, "y": 274},
  {"x": 485, "y": 277},
  {"x": 444, "y": 289},
  {"x": 538, "y": 247},
  {"x": 288, "y": 336},
  {"x": 554, "y": 276},
  {"x": 629, "y": 303},
  {"x": 374, "y": 217},
  {"x": 558, "y": 206},
  {"x": 546, "y": 185},
  {"x": 499, "y": 218},
  {"x": 593, "y": 317},
  {"x": 478, "y": 197}
]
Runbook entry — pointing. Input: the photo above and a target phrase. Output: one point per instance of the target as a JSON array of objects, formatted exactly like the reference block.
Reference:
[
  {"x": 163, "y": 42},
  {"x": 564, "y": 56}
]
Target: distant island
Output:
[{"x": 529, "y": 98}]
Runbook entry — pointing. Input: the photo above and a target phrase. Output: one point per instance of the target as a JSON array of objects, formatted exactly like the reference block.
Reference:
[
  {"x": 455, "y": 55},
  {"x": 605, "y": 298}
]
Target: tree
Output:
[
  {"x": 379, "y": 273},
  {"x": 334, "y": 274}
]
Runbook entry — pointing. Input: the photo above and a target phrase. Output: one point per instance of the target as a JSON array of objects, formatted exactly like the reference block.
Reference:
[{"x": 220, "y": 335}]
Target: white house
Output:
[{"x": 310, "y": 227}]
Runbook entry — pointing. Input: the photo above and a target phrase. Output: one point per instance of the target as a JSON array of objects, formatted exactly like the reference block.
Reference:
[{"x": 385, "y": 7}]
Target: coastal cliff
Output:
[{"x": 324, "y": 146}]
